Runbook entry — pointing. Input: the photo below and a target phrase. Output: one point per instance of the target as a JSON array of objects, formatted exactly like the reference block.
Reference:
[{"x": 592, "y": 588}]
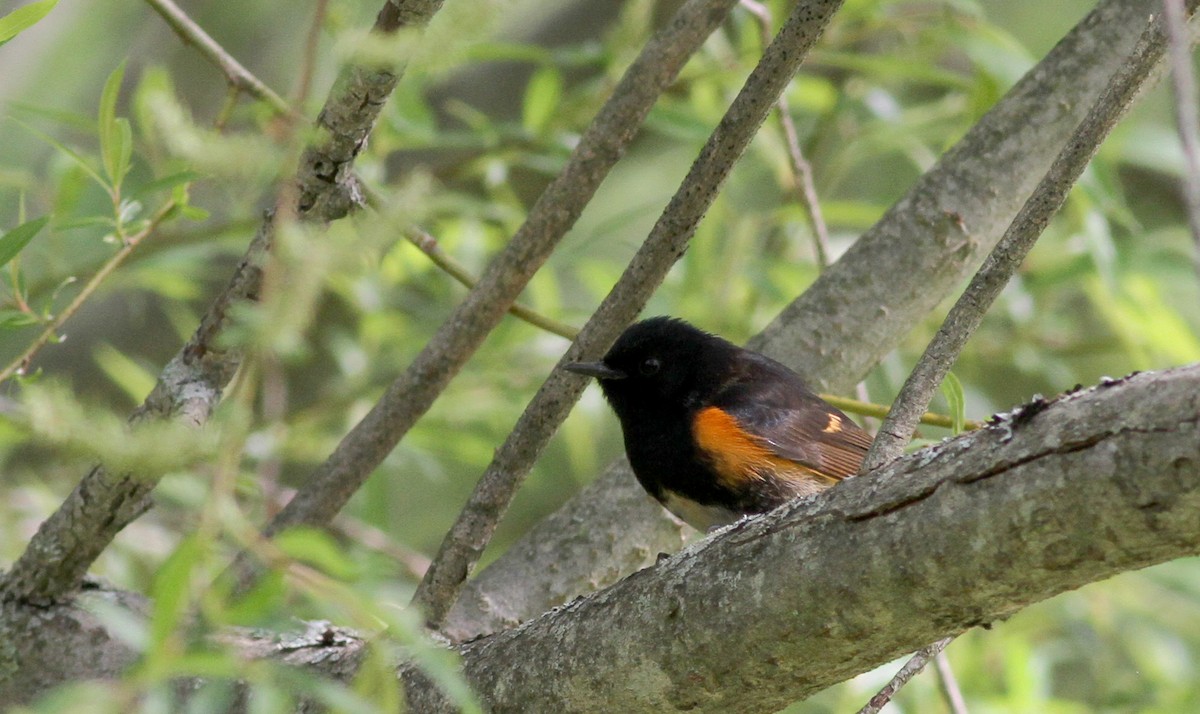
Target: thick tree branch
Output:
[
  {"x": 852, "y": 316},
  {"x": 668, "y": 240},
  {"x": 1046, "y": 499},
  {"x": 66, "y": 544},
  {"x": 1052, "y": 497},
  {"x": 966, "y": 315},
  {"x": 602, "y": 144}
]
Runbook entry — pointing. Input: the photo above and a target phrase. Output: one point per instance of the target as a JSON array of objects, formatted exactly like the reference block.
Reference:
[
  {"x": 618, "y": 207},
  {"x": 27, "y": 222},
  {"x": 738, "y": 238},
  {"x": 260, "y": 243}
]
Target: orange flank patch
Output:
[{"x": 736, "y": 455}]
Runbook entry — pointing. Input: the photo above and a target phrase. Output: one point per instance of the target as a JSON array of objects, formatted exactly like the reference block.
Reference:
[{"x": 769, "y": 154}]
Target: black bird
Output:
[{"x": 716, "y": 432}]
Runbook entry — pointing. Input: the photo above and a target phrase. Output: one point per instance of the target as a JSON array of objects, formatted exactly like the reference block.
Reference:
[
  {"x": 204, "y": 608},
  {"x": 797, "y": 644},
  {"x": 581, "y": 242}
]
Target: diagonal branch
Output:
[
  {"x": 65, "y": 545},
  {"x": 237, "y": 75},
  {"x": 668, "y": 240},
  {"x": 365, "y": 446},
  {"x": 918, "y": 390}
]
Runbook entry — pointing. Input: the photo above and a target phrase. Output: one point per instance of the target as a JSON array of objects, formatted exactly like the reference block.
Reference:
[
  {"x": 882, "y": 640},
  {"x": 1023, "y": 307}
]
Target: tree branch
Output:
[
  {"x": 723, "y": 627},
  {"x": 329, "y": 488},
  {"x": 911, "y": 668},
  {"x": 237, "y": 75},
  {"x": 668, "y": 240},
  {"x": 852, "y": 316},
  {"x": 802, "y": 174},
  {"x": 65, "y": 545},
  {"x": 922, "y": 384}
]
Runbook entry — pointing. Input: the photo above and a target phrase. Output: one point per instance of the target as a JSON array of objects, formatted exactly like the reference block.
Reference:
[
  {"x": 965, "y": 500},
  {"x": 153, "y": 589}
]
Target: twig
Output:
[
  {"x": 806, "y": 188},
  {"x": 308, "y": 60},
  {"x": 428, "y": 245},
  {"x": 668, "y": 240},
  {"x": 950, "y": 689},
  {"x": 329, "y": 488},
  {"x": 234, "y": 72},
  {"x": 49, "y": 333},
  {"x": 1187, "y": 114},
  {"x": 870, "y": 409},
  {"x": 1008, "y": 254},
  {"x": 191, "y": 384},
  {"x": 911, "y": 668}
]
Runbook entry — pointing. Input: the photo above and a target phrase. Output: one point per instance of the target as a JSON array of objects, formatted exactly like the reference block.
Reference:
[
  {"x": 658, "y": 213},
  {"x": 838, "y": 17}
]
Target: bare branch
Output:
[
  {"x": 802, "y": 174},
  {"x": 308, "y": 61},
  {"x": 1187, "y": 114},
  {"x": 949, "y": 683},
  {"x": 668, "y": 240},
  {"x": 911, "y": 668},
  {"x": 428, "y": 245},
  {"x": 237, "y": 75},
  {"x": 922, "y": 384},
  {"x": 365, "y": 446}
]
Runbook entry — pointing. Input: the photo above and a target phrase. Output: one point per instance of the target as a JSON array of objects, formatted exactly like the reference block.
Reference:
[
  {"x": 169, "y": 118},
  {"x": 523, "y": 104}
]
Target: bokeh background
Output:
[{"x": 483, "y": 119}]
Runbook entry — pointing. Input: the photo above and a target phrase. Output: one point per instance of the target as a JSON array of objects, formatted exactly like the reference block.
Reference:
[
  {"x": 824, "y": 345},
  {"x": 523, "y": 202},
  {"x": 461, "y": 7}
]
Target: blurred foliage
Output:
[{"x": 485, "y": 116}]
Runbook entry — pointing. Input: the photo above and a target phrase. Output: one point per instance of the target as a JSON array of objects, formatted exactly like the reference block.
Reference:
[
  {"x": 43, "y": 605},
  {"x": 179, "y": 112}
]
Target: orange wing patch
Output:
[{"x": 738, "y": 456}]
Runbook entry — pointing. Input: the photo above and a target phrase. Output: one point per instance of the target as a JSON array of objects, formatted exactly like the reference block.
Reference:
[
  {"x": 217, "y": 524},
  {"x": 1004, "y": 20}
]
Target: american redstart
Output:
[{"x": 716, "y": 432}]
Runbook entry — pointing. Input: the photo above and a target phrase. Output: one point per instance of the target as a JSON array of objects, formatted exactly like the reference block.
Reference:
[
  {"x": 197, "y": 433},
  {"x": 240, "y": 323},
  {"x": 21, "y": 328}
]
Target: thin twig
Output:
[
  {"x": 329, "y": 488},
  {"x": 1018, "y": 239},
  {"x": 950, "y": 689},
  {"x": 234, "y": 72},
  {"x": 879, "y": 411},
  {"x": 802, "y": 173},
  {"x": 1187, "y": 114},
  {"x": 51, "y": 331},
  {"x": 308, "y": 60},
  {"x": 911, "y": 668},
  {"x": 668, "y": 240},
  {"x": 428, "y": 245}
]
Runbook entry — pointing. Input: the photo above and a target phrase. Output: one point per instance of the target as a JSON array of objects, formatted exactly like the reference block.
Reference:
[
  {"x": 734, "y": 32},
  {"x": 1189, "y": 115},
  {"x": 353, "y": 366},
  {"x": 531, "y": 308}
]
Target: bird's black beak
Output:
[{"x": 599, "y": 370}]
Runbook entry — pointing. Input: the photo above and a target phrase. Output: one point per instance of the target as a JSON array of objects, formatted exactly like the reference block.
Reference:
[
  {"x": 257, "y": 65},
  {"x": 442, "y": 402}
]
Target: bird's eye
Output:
[{"x": 649, "y": 367}]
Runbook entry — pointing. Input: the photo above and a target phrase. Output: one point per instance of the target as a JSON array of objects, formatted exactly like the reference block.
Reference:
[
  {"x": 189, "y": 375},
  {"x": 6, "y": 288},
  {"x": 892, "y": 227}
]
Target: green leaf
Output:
[
  {"x": 16, "y": 319},
  {"x": 542, "y": 97},
  {"x": 376, "y": 680},
  {"x": 263, "y": 601},
  {"x": 952, "y": 389},
  {"x": 116, "y": 137},
  {"x": 23, "y": 18},
  {"x": 171, "y": 589},
  {"x": 15, "y": 240},
  {"x": 133, "y": 379},
  {"x": 317, "y": 548},
  {"x": 68, "y": 152}
]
